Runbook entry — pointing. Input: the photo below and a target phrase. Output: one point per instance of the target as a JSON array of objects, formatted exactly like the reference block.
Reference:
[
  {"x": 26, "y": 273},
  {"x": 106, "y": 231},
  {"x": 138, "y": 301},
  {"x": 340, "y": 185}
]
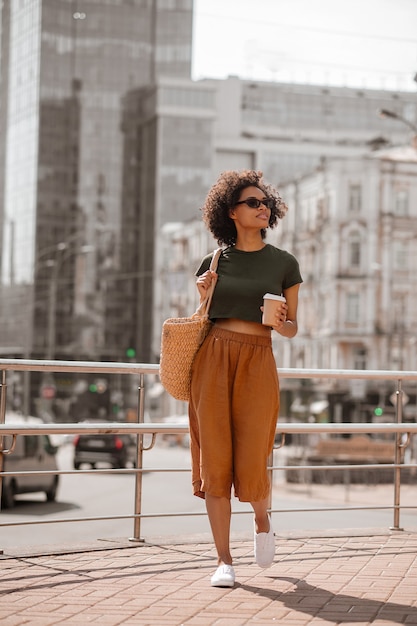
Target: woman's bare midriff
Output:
[{"x": 241, "y": 326}]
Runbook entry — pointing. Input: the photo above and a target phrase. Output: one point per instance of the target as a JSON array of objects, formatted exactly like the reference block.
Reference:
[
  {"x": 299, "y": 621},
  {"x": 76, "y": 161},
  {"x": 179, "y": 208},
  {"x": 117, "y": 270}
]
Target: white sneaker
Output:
[
  {"x": 224, "y": 576},
  {"x": 264, "y": 547}
]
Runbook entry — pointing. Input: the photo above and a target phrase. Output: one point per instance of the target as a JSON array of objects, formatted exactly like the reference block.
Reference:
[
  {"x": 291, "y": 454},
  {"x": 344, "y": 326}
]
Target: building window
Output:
[
  {"x": 352, "y": 308},
  {"x": 400, "y": 255},
  {"x": 355, "y": 198},
  {"x": 359, "y": 358},
  {"x": 354, "y": 249},
  {"x": 401, "y": 202}
]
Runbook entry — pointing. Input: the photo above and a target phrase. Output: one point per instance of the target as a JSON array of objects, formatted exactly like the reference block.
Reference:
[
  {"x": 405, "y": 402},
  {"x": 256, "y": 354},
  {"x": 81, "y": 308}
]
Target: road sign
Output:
[{"x": 358, "y": 388}]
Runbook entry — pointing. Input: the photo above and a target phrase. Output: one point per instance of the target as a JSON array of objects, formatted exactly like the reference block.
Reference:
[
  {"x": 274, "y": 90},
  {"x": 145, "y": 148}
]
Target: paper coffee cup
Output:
[{"x": 270, "y": 306}]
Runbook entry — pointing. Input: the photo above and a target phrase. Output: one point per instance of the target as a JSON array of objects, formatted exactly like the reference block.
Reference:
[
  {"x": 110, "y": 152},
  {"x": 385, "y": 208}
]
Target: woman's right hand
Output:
[{"x": 204, "y": 281}]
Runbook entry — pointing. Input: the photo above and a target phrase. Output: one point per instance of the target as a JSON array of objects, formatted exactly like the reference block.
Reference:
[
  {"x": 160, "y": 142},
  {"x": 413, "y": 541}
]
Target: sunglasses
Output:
[{"x": 254, "y": 203}]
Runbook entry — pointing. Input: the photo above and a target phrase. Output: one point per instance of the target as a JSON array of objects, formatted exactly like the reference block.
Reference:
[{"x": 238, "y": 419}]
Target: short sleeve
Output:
[
  {"x": 204, "y": 265},
  {"x": 292, "y": 275}
]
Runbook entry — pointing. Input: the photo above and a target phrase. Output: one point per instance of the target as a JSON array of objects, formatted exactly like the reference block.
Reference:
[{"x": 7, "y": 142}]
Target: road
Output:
[{"x": 87, "y": 495}]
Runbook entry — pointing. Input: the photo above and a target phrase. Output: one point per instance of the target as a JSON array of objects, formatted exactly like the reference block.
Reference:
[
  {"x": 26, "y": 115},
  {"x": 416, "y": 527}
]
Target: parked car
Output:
[
  {"x": 119, "y": 451},
  {"x": 32, "y": 453}
]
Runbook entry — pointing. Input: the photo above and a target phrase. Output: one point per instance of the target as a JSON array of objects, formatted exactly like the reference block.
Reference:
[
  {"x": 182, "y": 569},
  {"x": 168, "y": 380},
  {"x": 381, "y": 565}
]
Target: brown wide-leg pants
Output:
[{"x": 233, "y": 412}]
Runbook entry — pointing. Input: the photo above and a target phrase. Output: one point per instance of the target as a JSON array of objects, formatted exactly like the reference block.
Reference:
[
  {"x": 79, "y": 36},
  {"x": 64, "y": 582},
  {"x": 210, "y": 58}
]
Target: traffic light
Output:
[
  {"x": 131, "y": 353},
  {"x": 98, "y": 386},
  {"x": 378, "y": 411}
]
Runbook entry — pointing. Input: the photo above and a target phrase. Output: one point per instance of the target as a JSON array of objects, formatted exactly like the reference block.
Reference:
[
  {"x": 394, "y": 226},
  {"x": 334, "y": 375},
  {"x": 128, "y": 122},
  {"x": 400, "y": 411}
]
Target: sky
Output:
[{"x": 359, "y": 43}]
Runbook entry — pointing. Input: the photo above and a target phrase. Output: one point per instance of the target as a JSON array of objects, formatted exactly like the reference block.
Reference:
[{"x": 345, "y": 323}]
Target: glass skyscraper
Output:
[{"x": 66, "y": 68}]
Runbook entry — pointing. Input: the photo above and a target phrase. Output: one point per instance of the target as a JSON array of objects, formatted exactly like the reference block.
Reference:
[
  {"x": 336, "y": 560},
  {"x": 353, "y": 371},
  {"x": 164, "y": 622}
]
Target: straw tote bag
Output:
[{"x": 180, "y": 340}]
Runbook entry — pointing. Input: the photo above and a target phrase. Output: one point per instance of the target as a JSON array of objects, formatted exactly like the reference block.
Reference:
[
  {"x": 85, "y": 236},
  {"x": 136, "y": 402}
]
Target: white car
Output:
[{"x": 32, "y": 453}]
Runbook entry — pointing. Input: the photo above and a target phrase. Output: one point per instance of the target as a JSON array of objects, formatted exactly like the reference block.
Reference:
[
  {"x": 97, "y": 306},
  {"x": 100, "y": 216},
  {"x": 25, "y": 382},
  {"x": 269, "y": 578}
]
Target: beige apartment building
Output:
[{"x": 352, "y": 223}]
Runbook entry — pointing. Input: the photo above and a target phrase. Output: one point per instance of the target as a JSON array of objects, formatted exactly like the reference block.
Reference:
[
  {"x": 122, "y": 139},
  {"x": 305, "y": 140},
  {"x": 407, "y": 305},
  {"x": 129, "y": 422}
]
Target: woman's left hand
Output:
[
  {"x": 286, "y": 315},
  {"x": 280, "y": 316}
]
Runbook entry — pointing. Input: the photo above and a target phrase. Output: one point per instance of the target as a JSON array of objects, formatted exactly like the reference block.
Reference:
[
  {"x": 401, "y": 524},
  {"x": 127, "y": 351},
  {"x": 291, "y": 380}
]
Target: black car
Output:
[{"x": 119, "y": 451}]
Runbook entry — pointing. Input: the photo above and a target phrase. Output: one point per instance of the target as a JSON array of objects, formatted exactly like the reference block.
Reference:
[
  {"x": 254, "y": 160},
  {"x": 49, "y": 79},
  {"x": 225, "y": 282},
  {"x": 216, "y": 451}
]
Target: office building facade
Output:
[{"x": 352, "y": 224}]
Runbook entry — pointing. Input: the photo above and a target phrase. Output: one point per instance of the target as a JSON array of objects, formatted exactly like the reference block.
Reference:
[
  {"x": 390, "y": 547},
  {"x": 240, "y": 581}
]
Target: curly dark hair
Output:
[{"x": 226, "y": 192}]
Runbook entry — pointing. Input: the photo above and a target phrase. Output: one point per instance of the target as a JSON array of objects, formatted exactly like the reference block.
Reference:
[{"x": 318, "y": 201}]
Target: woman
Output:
[{"x": 234, "y": 398}]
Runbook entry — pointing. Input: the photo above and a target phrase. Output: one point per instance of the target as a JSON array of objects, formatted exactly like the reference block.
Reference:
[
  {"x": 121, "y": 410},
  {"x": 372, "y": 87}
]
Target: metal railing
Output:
[{"x": 140, "y": 429}]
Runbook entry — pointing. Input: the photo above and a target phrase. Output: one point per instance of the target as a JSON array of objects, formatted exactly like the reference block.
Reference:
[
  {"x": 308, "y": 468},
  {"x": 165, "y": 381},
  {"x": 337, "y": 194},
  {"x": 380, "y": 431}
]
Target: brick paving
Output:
[{"x": 350, "y": 578}]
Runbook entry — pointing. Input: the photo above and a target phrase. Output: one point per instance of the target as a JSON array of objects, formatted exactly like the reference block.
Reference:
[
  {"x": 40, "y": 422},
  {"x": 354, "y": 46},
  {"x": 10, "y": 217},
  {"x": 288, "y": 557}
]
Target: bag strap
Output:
[
  {"x": 215, "y": 259},
  {"x": 204, "y": 307}
]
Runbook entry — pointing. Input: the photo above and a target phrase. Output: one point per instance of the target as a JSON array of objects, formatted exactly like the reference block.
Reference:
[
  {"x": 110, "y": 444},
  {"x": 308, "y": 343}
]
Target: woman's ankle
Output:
[
  {"x": 262, "y": 524},
  {"x": 225, "y": 560}
]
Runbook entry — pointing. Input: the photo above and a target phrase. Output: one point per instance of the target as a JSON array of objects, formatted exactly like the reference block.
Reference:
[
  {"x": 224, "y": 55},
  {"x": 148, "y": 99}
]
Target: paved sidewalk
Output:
[{"x": 349, "y": 578}]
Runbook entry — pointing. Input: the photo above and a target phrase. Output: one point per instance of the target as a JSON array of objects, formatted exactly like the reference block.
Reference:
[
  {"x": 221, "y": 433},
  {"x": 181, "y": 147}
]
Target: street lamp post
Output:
[
  {"x": 400, "y": 118},
  {"x": 56, "y": 265}
]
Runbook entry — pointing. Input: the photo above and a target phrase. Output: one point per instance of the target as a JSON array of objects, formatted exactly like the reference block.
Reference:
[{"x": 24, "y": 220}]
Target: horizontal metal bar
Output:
[
  {"x": 340, "y": 466},
  {"x": 40, "y": 365},
  {"x": 202, "y": 514},
  {"x": 297, "y": 510},
  {"x": 154, "y": 470},
  {"x": 107, "y": 470},
  {"x": 172, "y": 429},
  {"x": 347, "y": 374},
  {"x": 61, "y": 520}
]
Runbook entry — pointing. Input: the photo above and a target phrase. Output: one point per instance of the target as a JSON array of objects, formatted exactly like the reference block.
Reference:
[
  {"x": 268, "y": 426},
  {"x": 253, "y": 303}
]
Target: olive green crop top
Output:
[{"x": 244, "y": 278}]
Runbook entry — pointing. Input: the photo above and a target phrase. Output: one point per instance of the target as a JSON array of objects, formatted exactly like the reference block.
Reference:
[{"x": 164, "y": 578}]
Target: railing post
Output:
[
  {"x": 139, "y": 462},
  {"x": 3, "y": 390},
  {"x": 397, "y": 457}
]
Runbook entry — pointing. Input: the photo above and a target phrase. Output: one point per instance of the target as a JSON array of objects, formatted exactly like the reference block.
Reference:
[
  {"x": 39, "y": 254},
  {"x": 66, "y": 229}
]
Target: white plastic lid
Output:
[{"x": 273, "y": 296}]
